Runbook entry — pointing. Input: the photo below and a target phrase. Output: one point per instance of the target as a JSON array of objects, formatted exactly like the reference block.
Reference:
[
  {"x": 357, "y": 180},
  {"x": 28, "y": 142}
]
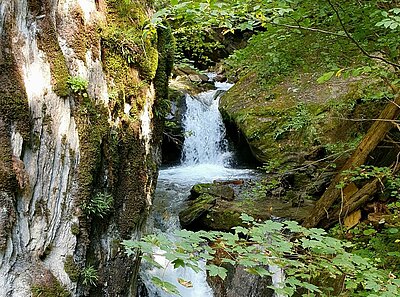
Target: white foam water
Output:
[{"x": 206, "y": 158}]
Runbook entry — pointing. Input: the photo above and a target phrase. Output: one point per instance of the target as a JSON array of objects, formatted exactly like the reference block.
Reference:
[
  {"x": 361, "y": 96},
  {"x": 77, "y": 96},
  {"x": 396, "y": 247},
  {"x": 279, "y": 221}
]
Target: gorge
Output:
[{"x": 107, "y": 148}]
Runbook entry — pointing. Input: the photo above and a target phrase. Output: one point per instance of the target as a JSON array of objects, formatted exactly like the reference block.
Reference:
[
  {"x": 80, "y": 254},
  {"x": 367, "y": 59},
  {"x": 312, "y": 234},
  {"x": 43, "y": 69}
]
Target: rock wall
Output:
[{"x": 78, "y": 144}]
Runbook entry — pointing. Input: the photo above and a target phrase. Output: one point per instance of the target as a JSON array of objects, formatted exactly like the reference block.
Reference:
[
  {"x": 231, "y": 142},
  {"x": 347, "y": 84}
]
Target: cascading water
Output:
[
  {"x": 205, "y": 141},
  {"x": 205, "y": 158}
]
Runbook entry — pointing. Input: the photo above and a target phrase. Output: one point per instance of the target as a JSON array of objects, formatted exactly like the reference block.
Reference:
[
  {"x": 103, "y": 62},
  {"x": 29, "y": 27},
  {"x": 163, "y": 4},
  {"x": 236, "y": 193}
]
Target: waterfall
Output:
[
  {"x": 206, "y": 157},
  {"x": 205, "y": 141}
]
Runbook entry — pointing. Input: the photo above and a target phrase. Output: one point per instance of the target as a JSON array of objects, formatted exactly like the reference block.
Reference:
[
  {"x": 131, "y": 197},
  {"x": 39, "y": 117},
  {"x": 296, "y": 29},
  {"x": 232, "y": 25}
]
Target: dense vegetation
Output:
[{"x": 331, "y": 39}]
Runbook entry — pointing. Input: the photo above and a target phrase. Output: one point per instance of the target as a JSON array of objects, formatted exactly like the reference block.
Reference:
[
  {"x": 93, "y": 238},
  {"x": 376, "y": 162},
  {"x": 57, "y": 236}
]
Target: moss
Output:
[
  {"x": 48, "y": 42},
  {"x": 75, "y": 230},
  {"x": 14, "y": 110},
  {"x": 79, "y": 41},
  {"x": 223, "y": 220},
  {"x": 71, "y": 268},
  {"x": 85, "y": 36},
  {"x": 46, "y": 285},
  {"x": 214, "y": 189},
  {"x": 123, "y": 35},
  {"x": 148, "y": 62},
  {"x": 13, "y": 99},
  {"x": 197, "y": 210},
  {"x": 92, "y": 122},
  {"x": 54, "y": 290},
  {"x": 132, "y": 182},
  {"x": 123, "y": 80},
  {"x": 8, "y": 183},
  {"x": 166, "y": 49}
]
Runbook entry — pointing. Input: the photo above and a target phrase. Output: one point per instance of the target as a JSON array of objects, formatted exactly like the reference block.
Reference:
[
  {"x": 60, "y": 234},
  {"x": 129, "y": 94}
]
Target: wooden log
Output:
[
  {"x": 374, "y": 136},
  {"x": 355, "y": 202}
]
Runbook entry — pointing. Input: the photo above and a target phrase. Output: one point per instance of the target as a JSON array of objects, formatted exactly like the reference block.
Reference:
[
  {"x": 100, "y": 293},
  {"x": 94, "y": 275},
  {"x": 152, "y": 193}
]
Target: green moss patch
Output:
[
  {"x": 93, "y": 127},
  {"x": 14, "y": 110},
  {"x": 48, "y": 286},
  {"x": 48, "y": 42},
  {"x": 293, "y": 116},
  {"x": 13, "y": 99},
  {"x": 123, "y": 35},
  {"x": 71, "y": 268}
]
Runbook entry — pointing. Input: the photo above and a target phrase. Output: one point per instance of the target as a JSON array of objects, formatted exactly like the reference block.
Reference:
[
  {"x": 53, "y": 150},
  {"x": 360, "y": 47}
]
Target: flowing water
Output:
[{"x": 205, "y": 158}]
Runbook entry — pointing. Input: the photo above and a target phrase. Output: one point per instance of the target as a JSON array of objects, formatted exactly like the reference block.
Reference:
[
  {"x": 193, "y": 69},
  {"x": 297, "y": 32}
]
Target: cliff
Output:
[{"x": 79, "y": 143}]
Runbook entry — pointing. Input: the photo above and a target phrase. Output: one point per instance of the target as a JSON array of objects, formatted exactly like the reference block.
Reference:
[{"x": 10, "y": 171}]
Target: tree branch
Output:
[
  {"x": 309, "y": 29},
  {"x": 356, "y": 42}
]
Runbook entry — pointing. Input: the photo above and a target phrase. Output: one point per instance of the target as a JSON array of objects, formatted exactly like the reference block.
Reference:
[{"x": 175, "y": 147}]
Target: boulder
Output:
[
  {"x": 196, "y": 209},
  {"x": 218, "y": 190}
]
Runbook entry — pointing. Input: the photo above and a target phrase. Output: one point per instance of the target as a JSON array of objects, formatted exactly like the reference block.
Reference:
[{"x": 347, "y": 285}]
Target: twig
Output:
[
  {"x": 356, "y": 42},
  {"x": 366, "y": 120},
  {"x": 174, "y": 139},
  {"x": 309, "y": 29},
  {"x": 323, "y": 159}
]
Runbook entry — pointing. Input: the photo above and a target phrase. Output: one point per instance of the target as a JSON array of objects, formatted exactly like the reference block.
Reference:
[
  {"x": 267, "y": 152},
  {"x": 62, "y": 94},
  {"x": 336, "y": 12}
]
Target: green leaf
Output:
[
  {"x": 166, "y": 286},
  {"x": 178, "y": 263},
  {"x": 325, "y": 77},
  {"x": 216, "y": 271},
  {"x": 368, "y": 232}
]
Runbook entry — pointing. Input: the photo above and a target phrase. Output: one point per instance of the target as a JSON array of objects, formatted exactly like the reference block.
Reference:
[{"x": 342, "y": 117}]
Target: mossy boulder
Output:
[
  {"x": 288, "y": 119},
  {"x": 224, "y": 192},
  {"x": 208, "y": 210},
  {"x": 190, "y": 216}
]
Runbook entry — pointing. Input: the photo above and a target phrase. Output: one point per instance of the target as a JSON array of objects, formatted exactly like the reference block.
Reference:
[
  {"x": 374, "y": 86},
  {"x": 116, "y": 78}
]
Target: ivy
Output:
[{"x": 304, "y": 254}]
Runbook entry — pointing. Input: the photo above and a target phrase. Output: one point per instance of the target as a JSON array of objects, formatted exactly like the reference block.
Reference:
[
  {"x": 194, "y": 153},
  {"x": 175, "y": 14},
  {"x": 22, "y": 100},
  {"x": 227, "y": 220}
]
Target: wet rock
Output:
[
  {"x": 239, "y": 283},
  {"x": 320, "y": 184},
  {"x": 220, "y": 78},
  {"x": 223, "y": 217},
  {"x": 190, "y": 217},
  {"x": 222, "y": 191},
  {"x": 198, "y": 78}
]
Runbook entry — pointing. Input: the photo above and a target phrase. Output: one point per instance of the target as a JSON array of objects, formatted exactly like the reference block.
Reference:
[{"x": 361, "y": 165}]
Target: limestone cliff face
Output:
[{"x": 78, "y": 147}]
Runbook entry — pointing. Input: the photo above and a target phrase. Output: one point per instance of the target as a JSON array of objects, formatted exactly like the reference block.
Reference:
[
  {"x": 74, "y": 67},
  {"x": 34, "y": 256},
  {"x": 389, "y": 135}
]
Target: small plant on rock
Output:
[
  {"x": 78, "y": 85},
  {"x": 100, "y": 205},
  {"x": 89, "y": 275}
]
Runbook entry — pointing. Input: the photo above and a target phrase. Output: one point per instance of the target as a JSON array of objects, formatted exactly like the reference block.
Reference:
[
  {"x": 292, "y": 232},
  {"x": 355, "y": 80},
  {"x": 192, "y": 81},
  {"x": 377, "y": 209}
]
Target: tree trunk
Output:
[
  {"x": 65, "y": 142},
  {"x": 374, "y": 136}
]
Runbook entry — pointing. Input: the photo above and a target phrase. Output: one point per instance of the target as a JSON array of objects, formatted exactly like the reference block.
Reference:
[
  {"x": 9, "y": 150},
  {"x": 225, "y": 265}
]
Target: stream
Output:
[{"x": 206, "y": 158}]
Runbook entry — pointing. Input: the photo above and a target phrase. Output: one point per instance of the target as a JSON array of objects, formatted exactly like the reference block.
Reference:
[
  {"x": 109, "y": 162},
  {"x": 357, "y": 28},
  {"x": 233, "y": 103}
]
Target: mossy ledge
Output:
[
  {"x": 48, "y": 286},
  {"x": 48, "y": 43},
  {"x": 71, "y": 268}
]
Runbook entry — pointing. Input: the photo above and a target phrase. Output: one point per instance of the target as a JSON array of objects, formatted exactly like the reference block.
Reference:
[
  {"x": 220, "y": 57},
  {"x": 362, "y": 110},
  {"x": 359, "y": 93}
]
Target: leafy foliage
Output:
[
  {"x": 89, "y": 275},
  {"x": 99, "y": 205},
  {"x": 391, "y": 19},
  {"x": 365, "y": 172},
  {"x": 371, "y": 25},
  {"x": 305, "y": 255},
  {"x": 78, "y": 85}
]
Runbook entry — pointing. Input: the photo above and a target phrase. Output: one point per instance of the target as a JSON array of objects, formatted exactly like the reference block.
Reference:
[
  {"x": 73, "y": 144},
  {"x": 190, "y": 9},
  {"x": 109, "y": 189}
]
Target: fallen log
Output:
[{"x": 374, "y": 136}]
